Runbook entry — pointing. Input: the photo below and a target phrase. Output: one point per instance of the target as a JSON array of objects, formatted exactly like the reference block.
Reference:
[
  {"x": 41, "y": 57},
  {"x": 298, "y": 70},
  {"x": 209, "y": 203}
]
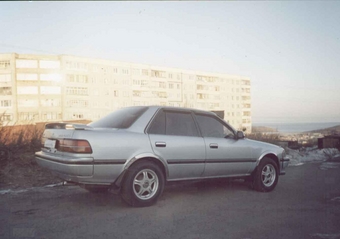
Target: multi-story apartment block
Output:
[{"x": 42, "y": 88}]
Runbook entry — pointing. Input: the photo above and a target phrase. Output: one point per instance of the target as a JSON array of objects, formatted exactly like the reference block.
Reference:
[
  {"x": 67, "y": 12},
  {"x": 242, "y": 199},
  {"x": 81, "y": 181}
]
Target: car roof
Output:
[{"x": 182, "y": 109}]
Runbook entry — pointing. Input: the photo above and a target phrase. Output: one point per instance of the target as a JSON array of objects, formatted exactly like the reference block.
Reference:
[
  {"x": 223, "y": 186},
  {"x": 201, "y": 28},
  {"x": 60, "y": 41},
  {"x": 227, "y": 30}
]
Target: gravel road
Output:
[{"x": 305, "y": 204}]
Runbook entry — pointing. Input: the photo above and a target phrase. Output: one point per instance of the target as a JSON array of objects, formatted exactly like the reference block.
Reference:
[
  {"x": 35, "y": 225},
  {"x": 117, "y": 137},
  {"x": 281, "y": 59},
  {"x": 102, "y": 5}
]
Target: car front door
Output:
[
  {"x": 226, "y": 155},
  {"x": 175, "y": 138}
]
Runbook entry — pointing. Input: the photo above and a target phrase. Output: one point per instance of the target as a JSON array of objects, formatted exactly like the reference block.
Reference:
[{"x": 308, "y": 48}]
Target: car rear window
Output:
[{"x": 121, "y": 119}]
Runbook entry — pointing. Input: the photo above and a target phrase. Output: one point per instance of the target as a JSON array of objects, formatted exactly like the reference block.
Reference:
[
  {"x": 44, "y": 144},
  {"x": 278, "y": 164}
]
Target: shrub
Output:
[{"x": 19, "y": 139}]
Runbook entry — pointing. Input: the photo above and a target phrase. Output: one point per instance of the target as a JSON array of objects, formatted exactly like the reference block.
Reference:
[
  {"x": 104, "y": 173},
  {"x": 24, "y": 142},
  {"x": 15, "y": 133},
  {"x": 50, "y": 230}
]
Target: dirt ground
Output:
[{"x": 19, "y": 171}]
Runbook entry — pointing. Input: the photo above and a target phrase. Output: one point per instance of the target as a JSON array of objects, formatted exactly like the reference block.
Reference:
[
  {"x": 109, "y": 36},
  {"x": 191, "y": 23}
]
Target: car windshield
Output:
[{"x": 120, "y": 119}]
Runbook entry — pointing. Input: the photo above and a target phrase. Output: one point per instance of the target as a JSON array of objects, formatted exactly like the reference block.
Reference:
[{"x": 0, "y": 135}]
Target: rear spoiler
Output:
[{"x": 67, "y": 126}]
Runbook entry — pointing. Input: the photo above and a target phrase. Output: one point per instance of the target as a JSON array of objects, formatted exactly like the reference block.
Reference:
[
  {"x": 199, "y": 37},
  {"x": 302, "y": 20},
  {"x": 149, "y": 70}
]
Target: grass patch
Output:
[{"x": 18, "y": 168}]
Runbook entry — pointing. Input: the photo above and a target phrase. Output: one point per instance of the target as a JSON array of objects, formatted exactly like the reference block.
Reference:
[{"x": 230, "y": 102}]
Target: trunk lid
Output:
[{"x": 58, "y": 131}]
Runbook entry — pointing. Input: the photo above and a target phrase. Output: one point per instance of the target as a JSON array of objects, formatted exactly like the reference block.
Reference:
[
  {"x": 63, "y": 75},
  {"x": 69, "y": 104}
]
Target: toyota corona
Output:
[{"x": 137, "y": 150}]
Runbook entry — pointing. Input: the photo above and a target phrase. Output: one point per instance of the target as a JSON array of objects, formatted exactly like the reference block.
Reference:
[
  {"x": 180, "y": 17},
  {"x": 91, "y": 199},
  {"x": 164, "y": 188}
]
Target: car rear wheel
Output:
[
  {"x": 143, "y": 184},
  {"x": 266, "y": 175}
]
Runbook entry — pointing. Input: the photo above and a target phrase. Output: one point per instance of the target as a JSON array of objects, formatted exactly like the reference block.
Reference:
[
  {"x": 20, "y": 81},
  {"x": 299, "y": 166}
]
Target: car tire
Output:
[
  {"x": 143, "y": 184},
  {"x": 96, "y": 188},
  {"x": 266, "y": 175}
]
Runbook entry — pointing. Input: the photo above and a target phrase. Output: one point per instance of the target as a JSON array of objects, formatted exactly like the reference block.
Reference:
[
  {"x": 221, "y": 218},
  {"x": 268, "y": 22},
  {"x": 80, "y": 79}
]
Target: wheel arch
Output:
[
  {"x": 143, "y": 157},
  {"x": 272, "y": 156}
]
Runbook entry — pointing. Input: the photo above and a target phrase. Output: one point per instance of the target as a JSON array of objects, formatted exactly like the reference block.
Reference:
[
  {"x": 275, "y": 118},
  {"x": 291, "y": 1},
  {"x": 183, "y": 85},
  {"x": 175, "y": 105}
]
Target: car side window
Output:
[
  {"x": 212, "y": 127},
  {"x": 158, "y": 124},
  {"x": 180, "y": 123},
  {"x": 173, "y": 123}
]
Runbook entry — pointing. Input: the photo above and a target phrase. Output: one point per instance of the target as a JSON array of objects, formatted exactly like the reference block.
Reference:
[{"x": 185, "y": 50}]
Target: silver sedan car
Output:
[{"x": 136, "y": 150}]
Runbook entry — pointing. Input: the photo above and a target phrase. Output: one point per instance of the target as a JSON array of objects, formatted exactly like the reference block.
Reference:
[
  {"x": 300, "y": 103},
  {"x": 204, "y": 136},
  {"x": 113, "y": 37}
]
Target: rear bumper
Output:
[
  {"x": 80, "y": 167},
  {"x": 83, "y": 170}
]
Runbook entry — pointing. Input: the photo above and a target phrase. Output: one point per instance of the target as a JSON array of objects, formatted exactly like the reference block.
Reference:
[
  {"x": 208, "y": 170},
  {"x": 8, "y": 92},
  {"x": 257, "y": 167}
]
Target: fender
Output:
[
  {"x": 265, "y": 153},
  {"x": 134, "y": 159}
]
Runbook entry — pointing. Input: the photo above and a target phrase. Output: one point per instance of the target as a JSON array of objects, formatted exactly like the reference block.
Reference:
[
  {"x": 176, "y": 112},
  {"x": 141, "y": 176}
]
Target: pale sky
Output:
[{"x": 289, "y": 49}]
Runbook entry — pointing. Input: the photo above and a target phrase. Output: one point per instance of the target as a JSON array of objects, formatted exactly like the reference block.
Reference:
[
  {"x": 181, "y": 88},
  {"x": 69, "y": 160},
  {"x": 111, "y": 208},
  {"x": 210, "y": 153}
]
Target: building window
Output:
[
  {"x": 171, "y": 85},
  {"x": 245, "y": 82},
  {"x": 136, "y": 82},
  {"x": 77, "y": 66},
  {"x": 245, "y": 90},
  {"x": 5, "y": 77},
  {"x": 135, "y": 71},
  {"x": 77, "y": 78},
  {"x": 125, "y": 71},
  {"x": 28, "y": 77},
  {"x": 49, "y": 64},
  {"x": 162, "y": 85},
  {"x": 28, "y": 116},
  {"x": 78, "y": 116},
  {"x": 136, "y": 93},
  {"x": 160, "y": 74},
  {"x": 77, "y": 103},
  {"x": 5, "y": 117},
  {"x": 27, "y": 90},
  {"x": 145, "y": 72},
  {"x": 46, "y": 90},
  {"x": 160, "y": 94},
  {"x": 246, "y": 113},
  {"x": 5, "y": 90},
  {"x": 27, "y": 103},
  {"x": 51, "y": 115},
  {"x": 50, "y": 77},
  {"x": 5, "y": 64},
  {"x": 77, "y": 91},
  {"x": 50, "y": 102},
  {"x": 5, "y": 103},
  {"x": 26, "y": 63}
]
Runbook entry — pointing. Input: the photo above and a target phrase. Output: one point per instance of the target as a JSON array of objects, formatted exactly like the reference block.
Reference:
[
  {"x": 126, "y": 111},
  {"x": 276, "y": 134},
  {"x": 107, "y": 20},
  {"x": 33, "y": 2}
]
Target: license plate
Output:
[{"x": 49, "y": 143}]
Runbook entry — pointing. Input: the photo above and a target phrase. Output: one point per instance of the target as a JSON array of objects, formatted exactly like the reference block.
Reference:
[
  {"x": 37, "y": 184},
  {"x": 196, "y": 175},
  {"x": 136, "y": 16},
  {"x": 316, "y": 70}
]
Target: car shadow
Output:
[{"x": 81, "y": 197}]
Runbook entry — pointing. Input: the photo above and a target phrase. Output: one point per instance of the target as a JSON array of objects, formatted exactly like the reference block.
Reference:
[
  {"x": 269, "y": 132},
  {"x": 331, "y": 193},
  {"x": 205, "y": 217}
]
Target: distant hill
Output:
[
  {"x": 327, "y": 131},
  {"x": 263, "y": 129}
]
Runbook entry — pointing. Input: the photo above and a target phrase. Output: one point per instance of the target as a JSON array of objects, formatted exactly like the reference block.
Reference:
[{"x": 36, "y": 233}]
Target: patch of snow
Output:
[
  {"x": 2, "y": 192},
  {"x": 337, "y": 199},
  {"x": 55, "y": 185},
  {"x": 6, "y": 191},
  {"x": 329, "y": 165},
  {"x": 306, "y": 155}
]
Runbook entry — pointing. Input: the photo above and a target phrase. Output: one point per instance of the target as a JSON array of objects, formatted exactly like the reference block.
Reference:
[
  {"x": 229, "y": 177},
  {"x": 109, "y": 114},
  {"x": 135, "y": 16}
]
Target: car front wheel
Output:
[
  {"x": 266, "y": 175},
  {"x": 143, "y": 184}
]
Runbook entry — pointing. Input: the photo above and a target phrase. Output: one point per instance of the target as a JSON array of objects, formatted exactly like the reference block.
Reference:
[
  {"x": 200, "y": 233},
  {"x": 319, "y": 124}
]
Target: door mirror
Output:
[{"x": 240, "y": 135}]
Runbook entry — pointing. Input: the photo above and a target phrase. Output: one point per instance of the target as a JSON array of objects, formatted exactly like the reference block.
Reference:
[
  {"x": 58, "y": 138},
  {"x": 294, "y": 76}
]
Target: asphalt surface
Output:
[{"x": 305, "y": 204}]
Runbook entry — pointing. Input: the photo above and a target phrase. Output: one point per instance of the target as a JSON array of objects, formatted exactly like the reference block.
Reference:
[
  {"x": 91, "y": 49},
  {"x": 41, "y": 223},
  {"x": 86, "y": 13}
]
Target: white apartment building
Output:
[{"x": 43, "y": 88}]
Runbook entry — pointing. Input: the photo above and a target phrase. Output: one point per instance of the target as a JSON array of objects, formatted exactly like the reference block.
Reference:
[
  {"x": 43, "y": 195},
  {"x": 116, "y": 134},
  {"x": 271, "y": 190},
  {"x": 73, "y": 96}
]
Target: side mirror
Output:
[{"x": 240, "y": 135}]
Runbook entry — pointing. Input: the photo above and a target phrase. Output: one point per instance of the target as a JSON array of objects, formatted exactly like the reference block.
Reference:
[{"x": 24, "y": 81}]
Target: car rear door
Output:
[
  {"x": 225, "y": 155},
  {"x": 175, "y": 138}
]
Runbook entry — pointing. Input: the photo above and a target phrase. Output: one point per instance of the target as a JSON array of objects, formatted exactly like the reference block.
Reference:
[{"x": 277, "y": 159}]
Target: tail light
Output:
[{"x": 78, "y": 146}]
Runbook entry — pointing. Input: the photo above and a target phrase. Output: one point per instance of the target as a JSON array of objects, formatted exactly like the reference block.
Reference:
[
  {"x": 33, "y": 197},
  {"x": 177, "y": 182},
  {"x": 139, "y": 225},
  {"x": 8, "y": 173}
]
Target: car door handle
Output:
[
  {"x": 160, "y": 144},
  {"x": 213, "y": 146}
]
